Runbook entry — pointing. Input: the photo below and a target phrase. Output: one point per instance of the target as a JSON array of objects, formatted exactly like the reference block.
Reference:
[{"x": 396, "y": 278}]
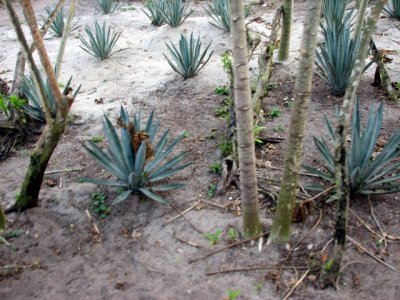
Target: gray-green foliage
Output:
[
  {"x": 155, "y": 10},
  {"x": 187, "y": 59},
  {"x": 34, "y": 106},
  {"x": 336, "y": 56},
  {"x": 392, "y": 9},
  {"x": 101, "y": 41},
  {"x": 219, "y": 12},
  {"x": 106, "y": 6},
  {"x": 175, "y": 12},
  {"x": 57, "y": 27},
  {"x": 141, "y": 170},
  {"x": 370, "y": 172}
]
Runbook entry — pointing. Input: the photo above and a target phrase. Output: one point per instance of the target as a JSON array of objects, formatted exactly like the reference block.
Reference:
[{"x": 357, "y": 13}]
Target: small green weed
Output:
[
  {"x": 233, "y": 235},
  {"x": 275, "y": 112},
  {"x": 213, "y": 238},
  {"x": 97, "y": 139},
  {"x": 279, "y": 128},
  {"x": 222, "y": 90},
  {"x": 259, "y": 285},
  {"x": 98, "y": 206},
  {"x": 257, "y": 131},
  {"x": 211, "y": 190},
  {"x": 224, "y": 110},
  {"x": 232, "y": 294},
  {"x": 226, "y": 147},
  {"x": 216, "y": 167},
  {"x": 287, "y": 102},
  {"x": 13, "y": 234}
]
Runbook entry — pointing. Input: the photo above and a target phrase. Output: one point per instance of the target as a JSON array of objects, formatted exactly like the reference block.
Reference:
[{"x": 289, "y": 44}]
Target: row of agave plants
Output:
[{"x": 140, "y": 163}]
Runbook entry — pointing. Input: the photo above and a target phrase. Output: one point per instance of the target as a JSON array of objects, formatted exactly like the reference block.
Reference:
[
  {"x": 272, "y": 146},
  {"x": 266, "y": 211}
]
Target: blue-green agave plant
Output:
[
  {"x": 34, "y": 106},
  {"x": 369, "y": 172},
  {"x": 139, "y": 163}
]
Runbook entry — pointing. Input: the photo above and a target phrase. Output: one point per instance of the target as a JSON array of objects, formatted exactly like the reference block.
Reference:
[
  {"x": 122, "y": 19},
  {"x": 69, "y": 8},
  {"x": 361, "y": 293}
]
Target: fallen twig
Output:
[
  {"x": 387, "y": 236},
  {"x": 185, "y": 241},
  {"x": 376, "y": 222},
  {"x": 296, "y": 285},
  {"x": 182, "y": 213},
  {"x": 213, "y": 204},
  {"x": 92, "y": 222},
  {"x": 318, "y": 195},
  {"x": 190, "y": 223},
  {"x": 63, "y": 171},
  {"x": 250, "y": 269},
  {"x": 226, "y": 247},
  {"x": 371, "y": 254}
]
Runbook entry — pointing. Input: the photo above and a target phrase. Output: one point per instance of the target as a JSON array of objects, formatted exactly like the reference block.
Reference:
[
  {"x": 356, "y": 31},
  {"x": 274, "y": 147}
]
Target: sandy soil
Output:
[{"x": 56, "y": 254}]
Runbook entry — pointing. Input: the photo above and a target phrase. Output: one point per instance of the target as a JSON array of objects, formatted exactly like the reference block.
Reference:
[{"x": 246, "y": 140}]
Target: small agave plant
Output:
[
  {"x": 135, "y": 159},
  {"x": 392, "y": 9},
  {"x": 369, "y": 173},
  {"x": 34, "y": 106},
  {"x": 187, "y": 60},
  {"x": 155, "y": 10}
]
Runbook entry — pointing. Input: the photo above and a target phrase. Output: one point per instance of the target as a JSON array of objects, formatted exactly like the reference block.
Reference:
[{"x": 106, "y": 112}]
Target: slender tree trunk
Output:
[
  {"x": 3, "y": 220},
  {"x": 55, "y": 123},
  {"x": 330, "y": 270},
  {"x": 287, "y": 11},
  {"x": 362, "y": 7},
  {"x": 21, "y": 59},
  {"x": 280, "y": 231},
  {"x": 244, "y": 121}
]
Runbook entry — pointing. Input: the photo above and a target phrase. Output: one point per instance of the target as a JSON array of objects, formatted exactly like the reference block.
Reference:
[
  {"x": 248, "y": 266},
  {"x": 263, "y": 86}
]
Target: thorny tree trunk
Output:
[
  {"x": 55, "y": 124},
  {"x": 280, "y": 231},
  {"x": 287, "y": 11},
  {"x": 244, "y": 119},
  {"x": 330, "y": 270},
  {"x": 362, "y": 7}
]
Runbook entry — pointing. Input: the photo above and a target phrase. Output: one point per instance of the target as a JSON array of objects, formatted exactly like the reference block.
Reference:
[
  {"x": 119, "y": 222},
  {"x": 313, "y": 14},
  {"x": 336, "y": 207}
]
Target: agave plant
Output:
[
  {"x": 34, "y": 106},
  {"x": 155, "y": 9},
  {"x": 57, "y": 27},
  {"x": 392, "y": 9},
  {"x": 369, "y": 173},
  {"x": 100, "y": 42},
  {"x": 188, "y": 59},
  {"x": 135, "y": 159},
  {"x": 336, "y": 56},
  {"x": 175, "y": 12},
  {"x": 106, "y": 6},
  {"x": 219, "y": 12}
]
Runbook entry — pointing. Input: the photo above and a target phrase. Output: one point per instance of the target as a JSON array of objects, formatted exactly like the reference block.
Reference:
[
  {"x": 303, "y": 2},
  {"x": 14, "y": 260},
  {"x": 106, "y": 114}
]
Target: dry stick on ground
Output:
[
  {"x": 387, "y": 236},
  {"x": 318, "y": 195},
  {"x": 190, "y": 223},
  {"x": 227, "y": 247},
  {"x": 255, "y": 268},
  {"x": 63, "y": 171},
  {"x": 214, "y": 204},
  {"x": 357, "y": 244},
  {"x": 185, "y": 241},
  {"x": 182, "y": 213},
  {"x": 341, "y": 272},
  {"x": 296, "y": 285},
  {"x": 376, "y": 221},
  {"x": 298, "y": 243}
]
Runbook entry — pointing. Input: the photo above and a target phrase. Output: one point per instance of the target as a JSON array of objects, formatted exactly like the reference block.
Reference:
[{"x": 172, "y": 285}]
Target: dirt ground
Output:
[{"x": 52, "y": 252}]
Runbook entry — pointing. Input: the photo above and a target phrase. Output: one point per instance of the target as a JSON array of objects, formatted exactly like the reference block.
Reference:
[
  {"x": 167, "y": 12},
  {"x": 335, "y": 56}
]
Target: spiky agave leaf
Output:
[
  {"x": 57, "y": 27},
  {"x": 100, "y": 42},
  {"x": 106, "y": 6},
  {"x": 219, "y": 12},
  {"x": 367, "y": 175},
  {"x": 188, "y": 59},
  {"x": 135, "y": 172},
  {"x": 392, "y": 9},
  {"x": 154, "y": 11},
  {"x": 34, "y": 106},
  {"x": 175, "y": 12}
]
